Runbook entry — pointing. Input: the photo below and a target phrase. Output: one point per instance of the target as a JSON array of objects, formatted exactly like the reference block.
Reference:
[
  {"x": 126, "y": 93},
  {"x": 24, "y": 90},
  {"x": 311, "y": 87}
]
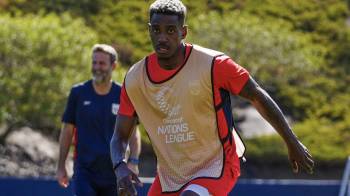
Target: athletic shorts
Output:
[
  {"x": 87, "y": 185},
  {"x": 216, "y": 187}
]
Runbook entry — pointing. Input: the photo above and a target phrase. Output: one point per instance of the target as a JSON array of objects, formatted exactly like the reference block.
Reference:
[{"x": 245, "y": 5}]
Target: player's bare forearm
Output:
[
  {"x": 123, "y": 129},
  {"x": 265, "y": 105},
  {"x": 135, "y": 143},
  {"x": 299, "y": 155},
  {"x": 65, "y": 141},
  {"x": 135, "y": 150}
]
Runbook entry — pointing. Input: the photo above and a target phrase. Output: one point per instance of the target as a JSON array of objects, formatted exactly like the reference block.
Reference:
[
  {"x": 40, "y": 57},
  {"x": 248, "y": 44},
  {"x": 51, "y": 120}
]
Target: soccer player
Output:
[
  {"x": 180, "y": 93},
  {"x": 90, "y": 116}
]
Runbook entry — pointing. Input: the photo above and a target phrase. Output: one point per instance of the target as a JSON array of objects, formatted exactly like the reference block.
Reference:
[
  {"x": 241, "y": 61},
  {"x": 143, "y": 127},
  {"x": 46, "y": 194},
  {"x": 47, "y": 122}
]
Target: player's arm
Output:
[
  {"x": 65, "y": 141},
  {"x": 123, "y": 130},
  {"x": 135, "y": 150},
  {"x": 299, "y": 155}
]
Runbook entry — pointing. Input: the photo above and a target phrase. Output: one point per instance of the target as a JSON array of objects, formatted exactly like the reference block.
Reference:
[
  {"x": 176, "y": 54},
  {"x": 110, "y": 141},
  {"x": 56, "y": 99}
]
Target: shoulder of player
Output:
[
  {"x": 222, "y": 59},
  {"x": 206, "y": 51},
  {"x": 136, "y": 66}
]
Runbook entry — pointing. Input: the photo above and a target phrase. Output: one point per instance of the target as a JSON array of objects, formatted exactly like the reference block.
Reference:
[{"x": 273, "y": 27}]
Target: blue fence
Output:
[
  {"x": 286, "y": 187},
  {"x": 244, "y": 187}
]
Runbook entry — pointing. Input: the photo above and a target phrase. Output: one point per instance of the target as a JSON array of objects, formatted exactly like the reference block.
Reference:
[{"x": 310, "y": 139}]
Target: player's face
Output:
[
  {"x": 101, "y": 67},
  {"x": 166, "y": 34}
]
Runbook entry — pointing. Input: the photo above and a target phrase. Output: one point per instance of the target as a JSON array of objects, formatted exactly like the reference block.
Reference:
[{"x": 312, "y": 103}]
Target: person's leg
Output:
[
  {"x": 82, "y": 186},
  {"x": 202, "y": 186},
  {"x": 189, "y": 193},
  {"x": 108, "y": 191},
  {"x": 105, "y": 186},
  {"x": 195, "y": 190},
  {"x": 207, "y": 186},
  {"x": 156, "y": 189}
]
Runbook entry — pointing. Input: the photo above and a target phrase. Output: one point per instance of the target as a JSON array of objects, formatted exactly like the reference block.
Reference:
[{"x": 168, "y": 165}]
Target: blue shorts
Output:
[{"x": 86, "y": 185}]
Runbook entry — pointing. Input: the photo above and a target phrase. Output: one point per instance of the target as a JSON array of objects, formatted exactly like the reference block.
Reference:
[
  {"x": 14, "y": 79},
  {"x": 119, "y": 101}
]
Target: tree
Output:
[
  {"x": 40, "y": 58},
  {"x": 295, "y": 71},
  {"x": 275, "y": 55},
  {"x": 124, "y": 24}
]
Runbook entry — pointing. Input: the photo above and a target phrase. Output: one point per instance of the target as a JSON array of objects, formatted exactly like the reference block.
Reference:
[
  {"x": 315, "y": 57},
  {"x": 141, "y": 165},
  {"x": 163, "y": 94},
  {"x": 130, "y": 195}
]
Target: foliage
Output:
[
  {"x": 297, "y": 49},
  {"x": 326, "y": 140},
  {"x": 40, "y": 59},
  {"x": 275, "y": 55},
  {"x": 286, "y": 62},
  {"x": 124, "y": 25},
  {"x": 266, "y": 48},
  {"x": 83, "y": 8}
]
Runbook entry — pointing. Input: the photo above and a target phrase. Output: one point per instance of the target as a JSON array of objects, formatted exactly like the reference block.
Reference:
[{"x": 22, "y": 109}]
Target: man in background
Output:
[{"x": 89, "y": 118}]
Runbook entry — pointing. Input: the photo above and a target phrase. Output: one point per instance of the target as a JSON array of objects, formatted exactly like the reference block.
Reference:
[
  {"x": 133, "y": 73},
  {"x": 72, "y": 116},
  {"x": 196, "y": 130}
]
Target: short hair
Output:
[
  {"x": 170, "y": 7},
  {"x": 106, "y": 49}
]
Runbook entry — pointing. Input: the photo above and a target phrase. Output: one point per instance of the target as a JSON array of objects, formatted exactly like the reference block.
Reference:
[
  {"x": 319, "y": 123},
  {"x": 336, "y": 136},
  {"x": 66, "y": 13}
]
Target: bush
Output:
[
  {"x": 40, "y": 58},
  {"x": 326, "y": 140},
  {"x": 294, "y": 71},
  {"x": 274, "y": 55},
  {"x": 124, "y": 24}
]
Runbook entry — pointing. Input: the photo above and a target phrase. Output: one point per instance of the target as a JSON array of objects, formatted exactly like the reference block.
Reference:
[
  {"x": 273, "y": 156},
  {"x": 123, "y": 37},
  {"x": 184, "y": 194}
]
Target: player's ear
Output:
[
  {"x": 184, "y": 32},
  {"x": 114, "y": 65},
  {"x": 149, "y": 27}
]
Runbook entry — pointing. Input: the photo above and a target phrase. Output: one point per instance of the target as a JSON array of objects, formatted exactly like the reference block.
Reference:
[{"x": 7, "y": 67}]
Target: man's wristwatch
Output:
[{"x": 134, "y": 161}]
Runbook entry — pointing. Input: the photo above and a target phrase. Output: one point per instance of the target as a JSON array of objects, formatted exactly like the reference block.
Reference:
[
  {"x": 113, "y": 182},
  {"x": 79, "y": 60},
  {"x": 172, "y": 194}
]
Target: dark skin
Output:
[
  {"x": 298, "y": 154},
  {"x": 126, "y": 178},
  {"x": 167, "y": 34}
]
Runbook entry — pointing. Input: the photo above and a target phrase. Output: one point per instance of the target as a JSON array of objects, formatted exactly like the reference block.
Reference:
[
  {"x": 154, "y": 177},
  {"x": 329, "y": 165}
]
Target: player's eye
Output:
[
  {"x": 171, "y": 30},
  {"x": 155, "y": 30}
]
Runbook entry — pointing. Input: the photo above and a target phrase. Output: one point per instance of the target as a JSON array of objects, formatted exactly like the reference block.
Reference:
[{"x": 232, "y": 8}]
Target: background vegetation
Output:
[{"x": 299, "y": 50}]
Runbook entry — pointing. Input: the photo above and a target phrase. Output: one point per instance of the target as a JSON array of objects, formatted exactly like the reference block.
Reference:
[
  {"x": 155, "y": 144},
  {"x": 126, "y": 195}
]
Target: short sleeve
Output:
[
  {"x": 229, "y": 75},
  {"x": 70, "y": 110},
  {"x": 126, "y": 108}
]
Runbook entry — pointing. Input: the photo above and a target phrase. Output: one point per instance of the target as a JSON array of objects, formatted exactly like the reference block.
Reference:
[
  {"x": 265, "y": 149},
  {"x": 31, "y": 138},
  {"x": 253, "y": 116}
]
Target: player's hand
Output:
[
  {"x": 126, "y": 180},
  {"x": 134, "y": 168},
  {"x": 62, "y": 177},
  {"x": 300, "y": 157}
]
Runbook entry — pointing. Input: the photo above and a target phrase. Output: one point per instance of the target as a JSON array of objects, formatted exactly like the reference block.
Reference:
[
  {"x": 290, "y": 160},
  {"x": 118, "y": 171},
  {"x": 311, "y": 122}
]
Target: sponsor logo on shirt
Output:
[{"x": 86, "y": 102}]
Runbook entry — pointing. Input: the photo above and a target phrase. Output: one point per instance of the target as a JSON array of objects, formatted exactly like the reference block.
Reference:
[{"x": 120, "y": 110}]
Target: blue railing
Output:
[{"x": 244, "y": 187}]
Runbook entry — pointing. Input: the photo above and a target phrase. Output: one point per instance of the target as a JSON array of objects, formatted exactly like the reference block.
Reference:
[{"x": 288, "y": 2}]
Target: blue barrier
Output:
[
  {"x": 286, "y": 187},
  {"x": 244, "y": 187}
]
